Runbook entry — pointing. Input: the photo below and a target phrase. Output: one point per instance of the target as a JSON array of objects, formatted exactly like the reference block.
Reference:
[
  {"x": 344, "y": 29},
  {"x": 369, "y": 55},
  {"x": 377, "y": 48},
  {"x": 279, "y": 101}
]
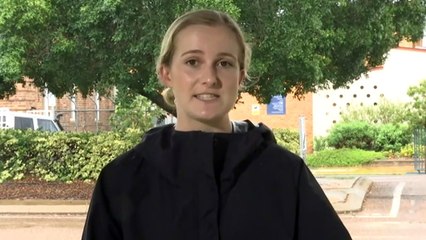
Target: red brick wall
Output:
[
  {"x": 26, "y": 97},
  {"x": 85, "y": 113},
  {"x": 294, "y": 109}
]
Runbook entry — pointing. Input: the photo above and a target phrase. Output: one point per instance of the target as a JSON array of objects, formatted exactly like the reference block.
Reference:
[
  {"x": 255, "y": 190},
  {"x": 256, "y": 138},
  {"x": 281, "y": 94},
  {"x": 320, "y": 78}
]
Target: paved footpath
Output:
[
  {"x": 41, "y": 227},
  {"x": 346, "y": 187}
]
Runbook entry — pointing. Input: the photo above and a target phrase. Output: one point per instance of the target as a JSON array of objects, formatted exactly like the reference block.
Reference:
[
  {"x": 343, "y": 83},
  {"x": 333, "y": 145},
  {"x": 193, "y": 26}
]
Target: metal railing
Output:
[
  {"x": 420, "y": 150},
  {"x": 84, "y": 119}
]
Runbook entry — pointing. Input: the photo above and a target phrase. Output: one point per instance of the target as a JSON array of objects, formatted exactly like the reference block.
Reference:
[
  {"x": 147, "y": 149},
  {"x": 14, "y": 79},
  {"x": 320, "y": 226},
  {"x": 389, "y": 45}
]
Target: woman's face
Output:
[{"x": 205, "y": 76}]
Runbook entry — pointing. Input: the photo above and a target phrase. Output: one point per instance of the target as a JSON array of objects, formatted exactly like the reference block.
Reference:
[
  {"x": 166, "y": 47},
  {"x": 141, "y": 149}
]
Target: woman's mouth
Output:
[{"x": 206, "y": 96}]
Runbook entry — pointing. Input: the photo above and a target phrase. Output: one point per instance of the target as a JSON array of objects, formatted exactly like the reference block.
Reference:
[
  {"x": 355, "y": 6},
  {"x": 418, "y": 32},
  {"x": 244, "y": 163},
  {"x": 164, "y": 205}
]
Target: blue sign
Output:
[{"x": 276, "y": 106}]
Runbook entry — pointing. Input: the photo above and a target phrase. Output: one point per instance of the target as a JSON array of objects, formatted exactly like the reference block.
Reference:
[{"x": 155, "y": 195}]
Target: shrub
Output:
[
  {"x": 355, "y": 134},
  {"x": 288, "y": 139},
  {"x": 64, "y": 156},
  {"x": 140, "y": 114},
  {"x": 417, "y": 107},
  {"x": 407, "y": 150},
  {"x": 362, "y": 135},
  {"x": 342, "y": 157},
  {"x": 392, "y": 137},
  {"x": 16, "y": 153},
  {"x": 320, "y": 143},
  {"x": 385, "y": 112},
  {"x": 105, "y": 147}
]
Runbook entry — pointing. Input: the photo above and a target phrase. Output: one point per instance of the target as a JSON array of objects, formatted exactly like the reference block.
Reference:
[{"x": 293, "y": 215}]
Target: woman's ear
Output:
[
  {"x": 242, "y": 76},
  {"x": 164, "y": 76}
]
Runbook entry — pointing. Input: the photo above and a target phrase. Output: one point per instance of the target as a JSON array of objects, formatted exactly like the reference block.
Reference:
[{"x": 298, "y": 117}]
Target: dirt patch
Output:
[{"x": 33, "y": 188}]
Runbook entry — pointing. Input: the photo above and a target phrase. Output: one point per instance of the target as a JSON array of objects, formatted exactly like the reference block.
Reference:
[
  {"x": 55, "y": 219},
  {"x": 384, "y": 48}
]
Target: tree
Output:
[
  {"x": 139, "y": 115},
  {"x": 417, "y": 108},
  {"x": 298, "y": 46}
]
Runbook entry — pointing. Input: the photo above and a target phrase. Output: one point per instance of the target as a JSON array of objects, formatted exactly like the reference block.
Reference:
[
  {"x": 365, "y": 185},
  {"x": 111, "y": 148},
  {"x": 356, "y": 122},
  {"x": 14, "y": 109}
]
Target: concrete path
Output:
[{"x": 43, "y": 207}]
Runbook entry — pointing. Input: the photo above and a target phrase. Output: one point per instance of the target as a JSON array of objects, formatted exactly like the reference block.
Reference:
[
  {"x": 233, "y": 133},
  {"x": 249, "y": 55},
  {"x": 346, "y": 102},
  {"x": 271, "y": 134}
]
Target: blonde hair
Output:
[{"x": 203, "y": 17}]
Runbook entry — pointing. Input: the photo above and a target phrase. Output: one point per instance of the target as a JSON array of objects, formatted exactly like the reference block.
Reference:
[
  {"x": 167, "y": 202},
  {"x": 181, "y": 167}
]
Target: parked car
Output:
[{"x": 28, "y": 120}]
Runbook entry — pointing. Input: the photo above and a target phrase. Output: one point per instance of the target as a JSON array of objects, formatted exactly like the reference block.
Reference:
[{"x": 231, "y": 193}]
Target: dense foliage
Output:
[
  {"x": 383, "y": 113},
  {"x": 354, "y": 134},
  {"x": 417, "y": 107},
  {"x": 68, "y": 156},
  {"x": 140, "y": 113},
  {"x": 64, "y": 156},
  {"x": 288, "y": 139},
  {"x": 367, "y": 136},
  {"x": 299, "y": 46}
]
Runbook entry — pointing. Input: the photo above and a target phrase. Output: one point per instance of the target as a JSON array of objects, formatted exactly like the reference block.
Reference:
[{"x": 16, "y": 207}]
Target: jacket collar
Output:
[{"x": 182, "y": 155}]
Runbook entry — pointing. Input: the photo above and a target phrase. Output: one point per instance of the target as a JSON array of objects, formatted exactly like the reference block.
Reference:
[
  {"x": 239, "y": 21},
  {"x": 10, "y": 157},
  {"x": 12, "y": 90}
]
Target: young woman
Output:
[{"x": 207, "y": 177}]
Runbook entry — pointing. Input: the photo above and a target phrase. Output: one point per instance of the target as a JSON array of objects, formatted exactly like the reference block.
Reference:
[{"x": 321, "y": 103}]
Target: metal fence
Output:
[
  {"x": 85, "y": 119},
  {"x": 420, "y": 150}
]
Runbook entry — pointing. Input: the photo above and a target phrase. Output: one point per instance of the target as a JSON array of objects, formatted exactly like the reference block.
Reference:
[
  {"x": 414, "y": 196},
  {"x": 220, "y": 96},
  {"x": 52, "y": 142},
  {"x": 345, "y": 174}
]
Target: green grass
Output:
[{"x": 342, "y": 157}]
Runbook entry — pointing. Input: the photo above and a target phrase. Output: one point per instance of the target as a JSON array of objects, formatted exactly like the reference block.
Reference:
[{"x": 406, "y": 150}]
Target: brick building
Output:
[
  {"x": 289, "y": 117},
  {"x": 27, "y": 97}
]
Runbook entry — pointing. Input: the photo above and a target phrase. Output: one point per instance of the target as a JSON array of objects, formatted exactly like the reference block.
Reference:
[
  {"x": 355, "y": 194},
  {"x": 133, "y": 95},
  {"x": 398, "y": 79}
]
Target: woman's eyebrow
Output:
[
  {"x": 226, "y": 54},
  {"x": 198, "y": 51},
  {"x": 191, "y": 52}
]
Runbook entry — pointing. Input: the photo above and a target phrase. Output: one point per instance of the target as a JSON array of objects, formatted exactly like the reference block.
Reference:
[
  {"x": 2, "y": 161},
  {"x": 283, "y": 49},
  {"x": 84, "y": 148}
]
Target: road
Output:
[{"x": 394, "y": 209}]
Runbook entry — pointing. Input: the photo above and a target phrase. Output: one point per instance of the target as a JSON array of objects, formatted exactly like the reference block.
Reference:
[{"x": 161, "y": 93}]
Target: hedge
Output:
[
  {"x": 70, "y": 156},
  {"x": 64, "y": 156}
]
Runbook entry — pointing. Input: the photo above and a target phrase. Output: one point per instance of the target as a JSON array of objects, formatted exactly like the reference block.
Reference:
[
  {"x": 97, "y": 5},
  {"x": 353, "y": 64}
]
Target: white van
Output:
[{"x": 27, "y": 120}]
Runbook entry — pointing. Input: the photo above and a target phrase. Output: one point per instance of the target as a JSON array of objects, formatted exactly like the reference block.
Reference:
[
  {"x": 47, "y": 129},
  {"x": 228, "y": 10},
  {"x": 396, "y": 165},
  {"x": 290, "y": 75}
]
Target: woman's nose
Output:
[{"x": 210, "y": 77}]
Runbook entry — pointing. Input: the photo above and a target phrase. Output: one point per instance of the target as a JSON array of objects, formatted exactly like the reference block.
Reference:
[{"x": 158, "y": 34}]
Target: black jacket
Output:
[{"x": 205, "y": 186}]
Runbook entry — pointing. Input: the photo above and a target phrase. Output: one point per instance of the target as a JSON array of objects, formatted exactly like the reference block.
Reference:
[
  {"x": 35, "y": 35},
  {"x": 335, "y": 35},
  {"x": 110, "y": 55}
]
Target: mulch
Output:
[{"x": 34, "y": 188}]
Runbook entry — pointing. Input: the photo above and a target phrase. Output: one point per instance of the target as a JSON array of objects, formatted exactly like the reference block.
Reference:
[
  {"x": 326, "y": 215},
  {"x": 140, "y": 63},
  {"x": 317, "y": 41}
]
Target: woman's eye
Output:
[
  {"x": 192, "y": 62},
  {"x": 225, "y": 64}
]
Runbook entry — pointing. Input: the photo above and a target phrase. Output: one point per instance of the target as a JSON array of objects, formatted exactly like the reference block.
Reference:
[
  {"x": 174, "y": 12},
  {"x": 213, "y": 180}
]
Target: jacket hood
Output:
[{"x": 176, "y": 153}]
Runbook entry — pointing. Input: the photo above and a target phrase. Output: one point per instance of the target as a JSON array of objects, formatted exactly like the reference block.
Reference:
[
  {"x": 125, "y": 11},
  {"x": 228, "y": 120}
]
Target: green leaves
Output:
[
  {"x": 317, "y": 44},
  {"x": 385, "y": 112},
  {"x": 298, "y": 46},
  {"x": 368, "y": 136},
  {"x": 288, "y": 139},
  {"x": 355, "y": 134},
  {"x": 138, "y": 114},
  {"x": 63, "y": 156},
  {"x": 15, "y": 153},
  {"x": 417, "y": 107},
  {"x": 342, "y": 158}
]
